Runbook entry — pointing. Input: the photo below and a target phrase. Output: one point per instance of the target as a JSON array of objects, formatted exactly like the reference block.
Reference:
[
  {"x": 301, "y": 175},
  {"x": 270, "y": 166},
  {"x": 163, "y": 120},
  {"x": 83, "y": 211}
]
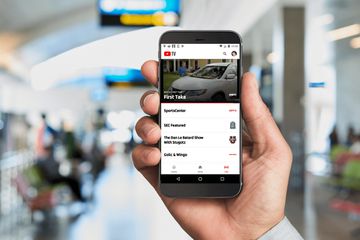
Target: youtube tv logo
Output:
[{"x": 169, "y": 53}]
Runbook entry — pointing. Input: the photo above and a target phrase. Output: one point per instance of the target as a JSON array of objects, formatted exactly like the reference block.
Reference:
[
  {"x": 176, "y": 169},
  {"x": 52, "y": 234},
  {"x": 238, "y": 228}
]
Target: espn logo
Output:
[{"x": 169, "y": 54}]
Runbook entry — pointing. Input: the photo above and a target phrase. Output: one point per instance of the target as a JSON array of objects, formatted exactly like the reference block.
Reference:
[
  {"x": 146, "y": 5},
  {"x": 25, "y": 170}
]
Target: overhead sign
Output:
[
  {"x": 139, "y": 12},
  {"x": 123, "y": 77}
]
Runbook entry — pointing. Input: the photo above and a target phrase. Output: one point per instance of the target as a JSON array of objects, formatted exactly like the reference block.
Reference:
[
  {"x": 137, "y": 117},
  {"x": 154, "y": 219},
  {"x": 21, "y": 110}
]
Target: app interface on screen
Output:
[{"x": 200, "y": 109}]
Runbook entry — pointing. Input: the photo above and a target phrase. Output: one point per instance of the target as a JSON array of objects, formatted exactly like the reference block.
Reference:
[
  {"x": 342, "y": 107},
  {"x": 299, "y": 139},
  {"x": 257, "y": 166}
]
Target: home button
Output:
[{"x": 200, "y": 179}]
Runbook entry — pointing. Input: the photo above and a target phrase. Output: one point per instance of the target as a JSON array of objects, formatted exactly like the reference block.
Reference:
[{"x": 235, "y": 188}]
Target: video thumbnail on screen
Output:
[{"x": 205, "y": 80}]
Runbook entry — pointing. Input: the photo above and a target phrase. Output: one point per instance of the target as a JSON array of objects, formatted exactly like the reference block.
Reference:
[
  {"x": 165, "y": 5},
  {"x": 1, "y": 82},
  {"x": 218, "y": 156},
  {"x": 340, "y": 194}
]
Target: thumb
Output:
[{"x": 261, "y": 126}]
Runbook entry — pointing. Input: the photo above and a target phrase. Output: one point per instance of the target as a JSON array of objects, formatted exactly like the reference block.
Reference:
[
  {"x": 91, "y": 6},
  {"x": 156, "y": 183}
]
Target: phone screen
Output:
[{"x": 200, "y": 113}]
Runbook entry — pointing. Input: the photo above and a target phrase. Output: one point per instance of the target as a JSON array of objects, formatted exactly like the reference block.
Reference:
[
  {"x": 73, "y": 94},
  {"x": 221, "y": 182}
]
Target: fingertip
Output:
[
  {"x": 148, "y": 130},
  {"x": 151, "y": 104},
  {"x": 249, "y": 75},
  {"x": 153, "y": 135},
  {"x": 145, "y": 156},
  {"x": 152, "y": 157},
  {"x": 149, "y": 71},
  {"x": 249, "y": 79},
  {"x": 256, "y": 114},
  {"x": 252, "y": 103},
  {"x": 250, "y": 95}
]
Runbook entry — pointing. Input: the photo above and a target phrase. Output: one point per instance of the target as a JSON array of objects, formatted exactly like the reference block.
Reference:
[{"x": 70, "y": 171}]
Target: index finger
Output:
[{"x": 150, "y": 71}]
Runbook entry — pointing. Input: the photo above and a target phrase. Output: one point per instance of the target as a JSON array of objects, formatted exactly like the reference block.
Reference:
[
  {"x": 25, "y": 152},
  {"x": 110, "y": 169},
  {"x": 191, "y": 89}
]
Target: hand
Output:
[{"x": 266, "y": 166}]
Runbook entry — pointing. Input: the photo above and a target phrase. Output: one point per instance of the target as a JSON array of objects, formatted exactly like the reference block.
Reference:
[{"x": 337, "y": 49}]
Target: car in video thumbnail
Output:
[{"x": 213, "y": 82}]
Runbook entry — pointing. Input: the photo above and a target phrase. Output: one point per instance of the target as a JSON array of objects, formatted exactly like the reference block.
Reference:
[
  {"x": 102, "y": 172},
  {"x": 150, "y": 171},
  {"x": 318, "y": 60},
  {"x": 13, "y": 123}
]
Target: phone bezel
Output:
[{"x": 202, "y": 190}]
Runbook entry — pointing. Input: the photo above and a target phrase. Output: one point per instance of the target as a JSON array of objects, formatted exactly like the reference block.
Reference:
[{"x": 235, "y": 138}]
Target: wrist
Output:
[{"x": 256, "y": 229}]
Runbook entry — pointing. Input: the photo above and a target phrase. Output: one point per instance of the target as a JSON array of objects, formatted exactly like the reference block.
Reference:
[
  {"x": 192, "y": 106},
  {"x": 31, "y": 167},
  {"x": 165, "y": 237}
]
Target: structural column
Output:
[{"x": 293, "y": 119}]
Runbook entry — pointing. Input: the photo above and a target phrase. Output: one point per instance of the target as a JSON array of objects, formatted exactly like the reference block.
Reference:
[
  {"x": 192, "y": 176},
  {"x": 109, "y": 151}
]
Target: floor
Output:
[
  {"x": 125, "y": 207},
  {"x": 314, "y": 219}
]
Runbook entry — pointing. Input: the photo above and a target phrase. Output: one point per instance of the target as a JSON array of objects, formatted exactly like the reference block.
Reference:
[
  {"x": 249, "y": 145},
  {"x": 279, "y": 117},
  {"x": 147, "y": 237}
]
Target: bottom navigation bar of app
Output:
[{"x": 170, "y": 178}]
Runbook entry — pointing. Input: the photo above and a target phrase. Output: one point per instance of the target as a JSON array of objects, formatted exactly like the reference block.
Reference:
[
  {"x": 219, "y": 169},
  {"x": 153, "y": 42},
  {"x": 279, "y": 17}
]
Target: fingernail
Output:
[{"x": 147, "y": 98}]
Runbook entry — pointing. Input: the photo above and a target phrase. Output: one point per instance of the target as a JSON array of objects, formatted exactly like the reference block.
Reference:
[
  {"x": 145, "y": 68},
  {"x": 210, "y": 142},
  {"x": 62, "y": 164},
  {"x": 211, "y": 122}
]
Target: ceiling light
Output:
[
  {"x": 273, "y": 57},
  {"x": 355, "y": 42},
  {"x": 344, "y": 32}
]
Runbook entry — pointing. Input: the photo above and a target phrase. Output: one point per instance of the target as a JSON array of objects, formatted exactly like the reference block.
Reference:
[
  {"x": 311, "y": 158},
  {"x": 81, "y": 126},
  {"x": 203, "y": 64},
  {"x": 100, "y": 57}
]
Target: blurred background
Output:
[{"x": 67, "y": 124}]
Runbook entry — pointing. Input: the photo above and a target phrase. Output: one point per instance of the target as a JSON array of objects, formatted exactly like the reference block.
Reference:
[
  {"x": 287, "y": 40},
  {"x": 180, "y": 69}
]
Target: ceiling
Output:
[
  {"x": 35, "y": 30},
  {"x": 19, "y": 15},
  {"x": 27, "y": 22}
]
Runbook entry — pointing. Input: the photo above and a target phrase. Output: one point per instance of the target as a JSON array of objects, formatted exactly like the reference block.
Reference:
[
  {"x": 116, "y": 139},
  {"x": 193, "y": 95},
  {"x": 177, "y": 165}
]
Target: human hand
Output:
[{"x": 266, "y": 166}]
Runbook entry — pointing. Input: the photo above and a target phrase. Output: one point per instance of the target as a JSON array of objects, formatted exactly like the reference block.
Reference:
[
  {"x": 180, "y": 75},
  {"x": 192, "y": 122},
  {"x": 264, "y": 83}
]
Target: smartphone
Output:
[{"x": 200, "y": 114}]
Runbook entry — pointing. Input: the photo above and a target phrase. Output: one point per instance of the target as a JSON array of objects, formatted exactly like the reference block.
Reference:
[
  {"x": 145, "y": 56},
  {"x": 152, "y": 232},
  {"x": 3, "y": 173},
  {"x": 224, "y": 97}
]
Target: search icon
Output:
[{"x": 224, "y": 53}]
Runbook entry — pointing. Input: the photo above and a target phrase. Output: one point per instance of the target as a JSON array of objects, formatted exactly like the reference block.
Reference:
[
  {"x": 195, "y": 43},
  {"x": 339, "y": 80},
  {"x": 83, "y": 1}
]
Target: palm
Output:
[{"x": 206, "y": 217}]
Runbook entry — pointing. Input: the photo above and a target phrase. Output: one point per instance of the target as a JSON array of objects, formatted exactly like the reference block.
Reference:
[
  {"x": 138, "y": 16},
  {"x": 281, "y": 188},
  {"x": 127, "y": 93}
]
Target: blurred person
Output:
[
  {"x": 90, "y": 144},
  {"x": 73, "y": 150},
  {"x": 61, "y": 132},
  {"x": 66, "y": 139},
  {"x": 45, "y": 139},
  {"x": 334, "y": 139},
  {"x": 182, "y": 70},
  {"x": 258, "y": 212},
  {"x": 49, "y": 167},
  {"x": 70, "y": 145},
  {"x": 350, "y": 136},
  {"x": 100, "y": 119}
]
